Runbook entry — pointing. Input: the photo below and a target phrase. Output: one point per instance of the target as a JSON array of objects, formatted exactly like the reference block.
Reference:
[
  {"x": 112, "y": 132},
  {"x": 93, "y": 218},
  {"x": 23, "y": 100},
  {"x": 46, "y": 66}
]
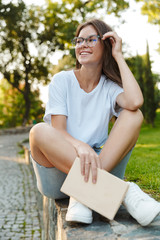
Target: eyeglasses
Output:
[{"x": 91, "y": 41}]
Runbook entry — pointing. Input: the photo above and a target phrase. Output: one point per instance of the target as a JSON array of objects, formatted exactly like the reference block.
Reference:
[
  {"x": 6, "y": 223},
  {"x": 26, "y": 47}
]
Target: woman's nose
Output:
[{"x": 84, "y": 43}]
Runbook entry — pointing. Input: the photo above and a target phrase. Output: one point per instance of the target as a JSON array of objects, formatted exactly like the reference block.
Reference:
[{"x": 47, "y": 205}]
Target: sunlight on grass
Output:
[{"x": 147, "y": 145}]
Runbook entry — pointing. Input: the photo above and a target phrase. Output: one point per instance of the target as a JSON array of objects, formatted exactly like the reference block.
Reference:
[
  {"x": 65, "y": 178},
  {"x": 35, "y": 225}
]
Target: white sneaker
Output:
[
  {"x": 77, "y": 212},
  {"x": 140, "y": 205}
]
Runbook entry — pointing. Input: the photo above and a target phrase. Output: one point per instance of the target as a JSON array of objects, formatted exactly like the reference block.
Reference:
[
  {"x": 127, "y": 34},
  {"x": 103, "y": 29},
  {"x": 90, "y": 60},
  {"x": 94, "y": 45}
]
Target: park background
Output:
[{"x": 35, "y": 43}]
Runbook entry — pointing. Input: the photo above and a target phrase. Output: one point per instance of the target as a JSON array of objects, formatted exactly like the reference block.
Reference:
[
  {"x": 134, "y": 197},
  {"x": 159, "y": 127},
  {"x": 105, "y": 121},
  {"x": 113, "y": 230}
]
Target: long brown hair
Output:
[{"x": 110, "y": 66}]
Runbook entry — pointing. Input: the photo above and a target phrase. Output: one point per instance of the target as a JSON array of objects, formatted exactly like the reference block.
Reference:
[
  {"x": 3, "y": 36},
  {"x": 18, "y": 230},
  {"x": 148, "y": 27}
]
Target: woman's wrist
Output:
[
  {"x": 77, "y": 144},
  {"x": 119, "y": 57}
]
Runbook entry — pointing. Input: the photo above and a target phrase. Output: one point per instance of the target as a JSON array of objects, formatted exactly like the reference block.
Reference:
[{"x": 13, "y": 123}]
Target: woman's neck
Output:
[{"x": 88, "y": 78}]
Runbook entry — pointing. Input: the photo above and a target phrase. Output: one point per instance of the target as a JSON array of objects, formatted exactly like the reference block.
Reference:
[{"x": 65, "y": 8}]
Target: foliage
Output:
[
  {"x": 149, "y": 93},
  {"x": 156, "y": 79},
  {"x": 19, "y": 65},
  {"x": 137, "y": 67},
  {"x": 152, "y": 9},
  {"x": 44, "y": 30},
  {"x": 66, "y": 63},
  {"x": 12, "y": 106},
  {"x": 30, "y": 35},
  {"x": 141, "y": 68},
  {"x": 83, "y": 9}
]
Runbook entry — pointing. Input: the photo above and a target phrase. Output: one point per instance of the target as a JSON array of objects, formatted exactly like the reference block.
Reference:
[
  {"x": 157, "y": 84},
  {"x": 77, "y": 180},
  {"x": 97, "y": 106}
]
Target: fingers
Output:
[
  {"x": 87, "y": 170},
  {"x": 114, "y": 39},
  {"x": 99, "y": 164},
  {"x": 94, "y": 170},
  {"x": 90, "y": 163},
  {"x": 85, "y": 165},
  {"x": 116, "y": 43},
  {"x": 82, "y": 159},
  {"x": 111, "y": 35}
]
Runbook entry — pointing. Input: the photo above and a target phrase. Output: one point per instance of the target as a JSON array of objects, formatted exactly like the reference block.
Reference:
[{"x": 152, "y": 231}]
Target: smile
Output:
[{"x": 85, "y": 53}]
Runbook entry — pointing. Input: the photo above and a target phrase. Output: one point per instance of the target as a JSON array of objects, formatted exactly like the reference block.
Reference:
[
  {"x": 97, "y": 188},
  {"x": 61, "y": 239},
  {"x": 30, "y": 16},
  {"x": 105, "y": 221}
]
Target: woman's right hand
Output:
[
  {"x": 116, "y": 42},
  {"x": 89, "y": 160}
]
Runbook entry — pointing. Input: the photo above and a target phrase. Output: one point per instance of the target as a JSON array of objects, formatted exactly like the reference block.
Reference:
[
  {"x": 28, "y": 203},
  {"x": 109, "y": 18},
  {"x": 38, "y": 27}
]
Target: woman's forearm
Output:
[
  {"x": 75, "y": 142},
  {"x": 132, "y": 93},
  {"x": 132, "y": 97}
]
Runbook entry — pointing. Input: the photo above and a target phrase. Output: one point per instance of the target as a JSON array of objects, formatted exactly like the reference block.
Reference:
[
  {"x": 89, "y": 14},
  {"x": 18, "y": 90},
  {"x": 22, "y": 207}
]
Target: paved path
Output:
[{"x": 19, "y": 218}]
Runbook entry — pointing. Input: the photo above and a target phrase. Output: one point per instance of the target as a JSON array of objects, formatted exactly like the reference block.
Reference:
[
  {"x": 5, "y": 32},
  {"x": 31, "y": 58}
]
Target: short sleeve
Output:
[
  {"x": 115, "y": 90},
  {"x": 56, "y": 104}
]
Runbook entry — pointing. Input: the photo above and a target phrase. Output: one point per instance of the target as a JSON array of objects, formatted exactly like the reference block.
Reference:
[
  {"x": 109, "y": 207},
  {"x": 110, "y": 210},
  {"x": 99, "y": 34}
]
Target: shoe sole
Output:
[
  {"x": 81, "y": 219},
  {"x": 148, "y": 220}
]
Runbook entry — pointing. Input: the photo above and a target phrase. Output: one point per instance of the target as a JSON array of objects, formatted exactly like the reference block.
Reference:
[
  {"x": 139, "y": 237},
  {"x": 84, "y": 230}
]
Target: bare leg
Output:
[
  {"x": 50, "y": 149},
  {"x": 122, "y": 138}
]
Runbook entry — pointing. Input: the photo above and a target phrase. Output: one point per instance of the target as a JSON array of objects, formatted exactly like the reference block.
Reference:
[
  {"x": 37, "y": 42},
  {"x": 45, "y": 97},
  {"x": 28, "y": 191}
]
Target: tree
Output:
[
  {"x": 136, "y": 64},
  {"x": 19, "y": 29},
  {"x": 156, "y": 80},
  {"x": 29, "y": 36},
  {"x": 65, "y": 63},
  {"x": 141, "y": 68},
  {"x": 12, "y": 106},
  {"x": 152, "y": 9},
  {"x": 139, "y": 75},
  {"x": 83, "y": 9},
  {"x": 149, "y": 103}
]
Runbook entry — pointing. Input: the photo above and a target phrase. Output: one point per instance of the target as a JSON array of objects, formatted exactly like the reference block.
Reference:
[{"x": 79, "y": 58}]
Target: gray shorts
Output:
[{"x": 50, "y": 180}]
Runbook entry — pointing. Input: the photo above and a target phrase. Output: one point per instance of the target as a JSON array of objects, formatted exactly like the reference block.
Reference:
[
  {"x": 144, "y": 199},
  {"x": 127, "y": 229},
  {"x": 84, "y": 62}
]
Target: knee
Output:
[
  {"x": 135, "y": 118},
  {"x": 42, "y": 132},
  {"x": 38, "y": 133},
  {"x": 35, "y": 132},
  {"x": 138, "y": 117}
]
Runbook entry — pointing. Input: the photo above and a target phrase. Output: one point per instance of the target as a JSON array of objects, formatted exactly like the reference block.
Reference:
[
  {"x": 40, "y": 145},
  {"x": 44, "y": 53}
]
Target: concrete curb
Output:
[
  {"x": 17, "y": 130},
  {"x": 123, "y": 227}
]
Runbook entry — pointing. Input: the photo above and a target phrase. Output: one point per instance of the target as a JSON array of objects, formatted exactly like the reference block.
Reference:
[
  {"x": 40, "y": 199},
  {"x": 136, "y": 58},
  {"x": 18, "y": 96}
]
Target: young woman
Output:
[{"x": 81, "y": 104}]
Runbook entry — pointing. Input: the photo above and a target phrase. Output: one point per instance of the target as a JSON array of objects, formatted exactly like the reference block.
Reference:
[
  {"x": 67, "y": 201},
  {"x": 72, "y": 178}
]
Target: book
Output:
[{"x": 104, "y": 197}]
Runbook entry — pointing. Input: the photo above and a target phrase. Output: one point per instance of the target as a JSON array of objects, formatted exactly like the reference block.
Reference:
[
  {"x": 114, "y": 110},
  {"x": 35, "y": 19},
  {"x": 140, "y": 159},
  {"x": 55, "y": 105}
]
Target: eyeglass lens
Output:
[{"x": 91, "y": 41}]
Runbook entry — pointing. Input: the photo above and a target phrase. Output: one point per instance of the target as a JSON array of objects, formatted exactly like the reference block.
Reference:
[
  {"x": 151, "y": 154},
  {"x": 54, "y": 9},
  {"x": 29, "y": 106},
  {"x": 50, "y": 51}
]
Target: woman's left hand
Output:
[
  {"x": 89, "y": 161},
  {"x": 116, "y": 42}
]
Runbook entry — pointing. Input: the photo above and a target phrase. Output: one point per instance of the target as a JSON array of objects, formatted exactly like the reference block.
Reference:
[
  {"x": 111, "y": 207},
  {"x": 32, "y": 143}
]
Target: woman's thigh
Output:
[
  {"x": 50, "y": 180},
  {"x": 50, "y": 148},
  {"x": 120, "y": 169}
]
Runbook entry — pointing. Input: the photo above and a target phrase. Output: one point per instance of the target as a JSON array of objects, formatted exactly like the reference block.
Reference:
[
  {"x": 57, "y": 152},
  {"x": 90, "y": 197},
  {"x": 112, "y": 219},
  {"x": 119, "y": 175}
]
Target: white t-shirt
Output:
[{"x": 88, "y": 114}]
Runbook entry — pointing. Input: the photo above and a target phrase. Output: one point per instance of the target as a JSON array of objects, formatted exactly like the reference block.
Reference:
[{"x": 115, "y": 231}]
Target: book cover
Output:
[{"x": 104, "y": 197}]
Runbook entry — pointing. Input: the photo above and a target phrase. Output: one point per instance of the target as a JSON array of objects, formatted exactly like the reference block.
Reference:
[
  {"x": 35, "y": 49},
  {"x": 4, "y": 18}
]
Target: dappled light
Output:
[
  {"x": 40, "y": 35},
  {"x": 147, "y": 145}
]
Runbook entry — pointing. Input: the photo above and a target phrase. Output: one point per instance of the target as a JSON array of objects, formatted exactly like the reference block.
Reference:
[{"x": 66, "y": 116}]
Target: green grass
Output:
[{"x": 144, "y": 164}]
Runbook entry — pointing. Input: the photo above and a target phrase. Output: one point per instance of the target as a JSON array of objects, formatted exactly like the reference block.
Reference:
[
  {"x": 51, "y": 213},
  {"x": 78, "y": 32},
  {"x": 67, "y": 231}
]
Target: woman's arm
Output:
[
  {"x": 88, "y": 157},
  {"x": 132, "y": 97},
  {"x": 59, "y": 122}
]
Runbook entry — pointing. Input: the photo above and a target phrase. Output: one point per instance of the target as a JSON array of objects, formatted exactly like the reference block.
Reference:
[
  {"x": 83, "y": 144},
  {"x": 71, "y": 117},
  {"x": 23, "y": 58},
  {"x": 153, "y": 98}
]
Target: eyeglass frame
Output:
[{"x": 85, "y": 39}]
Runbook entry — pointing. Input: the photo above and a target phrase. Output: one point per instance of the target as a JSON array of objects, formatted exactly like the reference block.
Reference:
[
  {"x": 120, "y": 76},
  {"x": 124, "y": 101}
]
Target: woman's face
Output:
[{"x": 89, "y": 55}]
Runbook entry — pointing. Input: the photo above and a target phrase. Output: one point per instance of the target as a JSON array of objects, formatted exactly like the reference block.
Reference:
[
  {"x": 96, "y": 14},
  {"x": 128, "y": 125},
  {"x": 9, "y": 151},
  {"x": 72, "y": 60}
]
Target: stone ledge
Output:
[
  {"x": 123, "y": 227},
  {"x": 16, "y": 130}
]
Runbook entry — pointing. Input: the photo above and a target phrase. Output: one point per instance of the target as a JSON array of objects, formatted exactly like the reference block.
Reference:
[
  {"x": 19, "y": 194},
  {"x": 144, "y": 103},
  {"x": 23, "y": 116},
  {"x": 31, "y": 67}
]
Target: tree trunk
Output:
[{"x": 27, "y": 101}]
